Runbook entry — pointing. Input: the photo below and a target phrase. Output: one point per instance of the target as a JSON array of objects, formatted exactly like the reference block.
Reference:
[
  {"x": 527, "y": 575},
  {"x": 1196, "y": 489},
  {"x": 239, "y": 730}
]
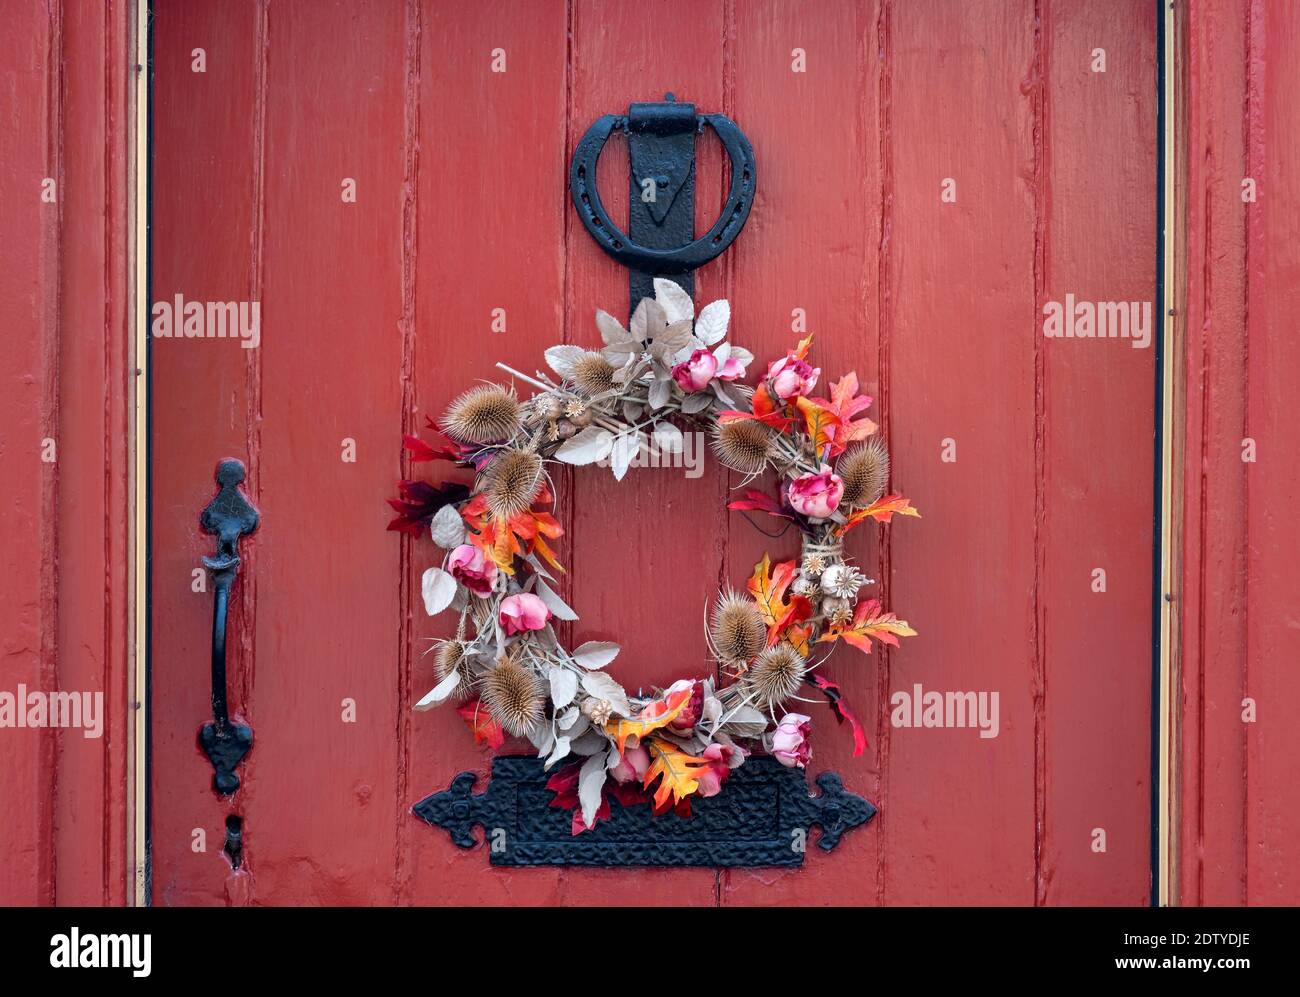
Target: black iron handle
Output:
[{"x": 228, "y": 517}]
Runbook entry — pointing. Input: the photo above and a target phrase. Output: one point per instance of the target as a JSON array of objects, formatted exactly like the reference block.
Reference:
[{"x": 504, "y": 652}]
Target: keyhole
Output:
[{"x": 234, "y": 847}]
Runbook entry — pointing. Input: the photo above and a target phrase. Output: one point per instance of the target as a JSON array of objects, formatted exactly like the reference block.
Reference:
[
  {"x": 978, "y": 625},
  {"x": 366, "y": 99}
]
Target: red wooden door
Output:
[{"x": 376, "y": 311}]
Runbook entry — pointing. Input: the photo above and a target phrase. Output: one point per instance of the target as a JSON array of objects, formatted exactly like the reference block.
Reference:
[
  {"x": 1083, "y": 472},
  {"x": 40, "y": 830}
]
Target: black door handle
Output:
[{"x": 228, "y": 517}]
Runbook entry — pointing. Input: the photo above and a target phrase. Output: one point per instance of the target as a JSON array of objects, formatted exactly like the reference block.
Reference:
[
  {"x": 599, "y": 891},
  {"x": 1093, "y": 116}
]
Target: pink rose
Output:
[
  {"x": 696, "y": 373},
  {"x": 790, "y": 744},
  {"x": 685, "y": 721},
  {"x": 469, "y": 566},
  {"x": 632, "y": 766},
  {"x": 521, "y": 612},
  {"x": 791, "y": 377},
  {"x": 722, "y": 759},
  {"x": 817, "y": 495},
  {"x": 732, "y": 370}
]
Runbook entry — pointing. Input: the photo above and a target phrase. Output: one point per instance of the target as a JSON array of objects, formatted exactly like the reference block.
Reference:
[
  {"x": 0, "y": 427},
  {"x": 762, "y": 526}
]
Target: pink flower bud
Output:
[{"x": 521, "y": 612}]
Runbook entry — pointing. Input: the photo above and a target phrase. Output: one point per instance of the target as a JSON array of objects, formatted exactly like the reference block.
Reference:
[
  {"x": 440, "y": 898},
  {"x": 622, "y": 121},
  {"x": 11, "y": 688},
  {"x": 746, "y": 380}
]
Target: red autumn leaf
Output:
[
  {"x": 486, "y": 730},
  {"x": 760, "y": 502},
  {"x": 768, "y": 587},
  {"x": 842, "y": 711},
  {"x": 868, "y": 621},
  {"x": 419, "y": 501},
  {"x": 421, "y": 451},
  {"x": 882, "y": 511}
]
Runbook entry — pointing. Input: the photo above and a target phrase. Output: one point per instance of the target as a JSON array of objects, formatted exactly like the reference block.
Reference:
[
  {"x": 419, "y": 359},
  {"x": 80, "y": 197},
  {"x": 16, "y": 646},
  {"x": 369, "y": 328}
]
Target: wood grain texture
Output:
[
  {"x": 376, "y": 313},
  {"x": 64, "y": 614},
  {"x": 1096, "y": 239},
  {"x": 1239, "y": 816}
]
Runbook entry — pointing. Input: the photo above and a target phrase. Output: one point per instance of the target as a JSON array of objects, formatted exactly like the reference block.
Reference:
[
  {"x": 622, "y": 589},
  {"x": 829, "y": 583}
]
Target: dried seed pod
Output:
[
  {"x": 598, "y": 711},
  {"x": 485, "y": 413},
  {"x": 842, "y": 580},
  {"x": 451, "y": 658},
  {"x": 592, "y": 374},
  {"x": 737, "y": 630},
  {"x": 511, "y": 482},
  {"x": 513, "y": 695},
  {"x": 865, "y": 471},
  {"x": 743, "y": 446},
  {"x": 775, "y": 676}
]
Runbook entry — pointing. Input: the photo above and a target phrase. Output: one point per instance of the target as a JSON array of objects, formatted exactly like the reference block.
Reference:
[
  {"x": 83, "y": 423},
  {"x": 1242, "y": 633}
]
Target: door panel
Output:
[{"x": 375, "y": 313}]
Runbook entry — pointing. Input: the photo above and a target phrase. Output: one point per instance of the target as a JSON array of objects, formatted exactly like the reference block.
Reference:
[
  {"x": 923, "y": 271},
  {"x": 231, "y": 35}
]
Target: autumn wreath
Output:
[{"x": 505, "y": 666}]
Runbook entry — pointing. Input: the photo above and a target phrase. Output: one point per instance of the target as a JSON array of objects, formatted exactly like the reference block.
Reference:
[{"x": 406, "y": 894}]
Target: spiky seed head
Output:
[
  {"x": 593, "y": 374},
  {"x": 485, "y": 413},
  {"x": 865, "y": 471},
  {"x": 512, "y": 481},
  {"x": 451, "y": 658},
  {"x": 743, "y": 446},
  {"x": 513, "y": 696},
  {"x": 776, "y": 676},
  {"x": 736, "y": 628}
]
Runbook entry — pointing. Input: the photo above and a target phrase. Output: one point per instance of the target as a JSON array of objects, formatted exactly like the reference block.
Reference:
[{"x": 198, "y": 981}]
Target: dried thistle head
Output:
[
  {"x": 743, "y": 446},
  {"x": 865, "y": 471},
  {"x": 512, "y": 481},
  {"x": 592, "y": 374},
  {"x": 485, "y": 413},
  {"x": 737, "y": 630},
  {"x": 451, "y": 658},
  {"x": 775, "y": 676},
  {"x": 513, "y": 696}
]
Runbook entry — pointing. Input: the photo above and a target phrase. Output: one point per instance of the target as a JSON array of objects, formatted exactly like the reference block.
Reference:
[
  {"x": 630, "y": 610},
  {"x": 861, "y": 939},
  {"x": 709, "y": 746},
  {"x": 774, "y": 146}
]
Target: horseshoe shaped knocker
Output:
[{"x": 661, "y": 241}]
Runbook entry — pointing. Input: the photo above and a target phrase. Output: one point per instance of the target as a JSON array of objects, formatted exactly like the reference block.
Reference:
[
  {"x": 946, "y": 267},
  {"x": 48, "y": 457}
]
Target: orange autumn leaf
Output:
[
  {"x": 882, "y": 510},
  {"x": 658, "y": 714},
  {"x": 678, "y": 773},
  {"x": 842, "y": 406},
  {"x": 768, "y": 587},
  {"x": 801, "y": 351},
  {"x": 868, "y": 622},
  {"x": 798, "y": 638},
  {"x": 502, "y": 540},
  {"x": 821, "y": 424}
]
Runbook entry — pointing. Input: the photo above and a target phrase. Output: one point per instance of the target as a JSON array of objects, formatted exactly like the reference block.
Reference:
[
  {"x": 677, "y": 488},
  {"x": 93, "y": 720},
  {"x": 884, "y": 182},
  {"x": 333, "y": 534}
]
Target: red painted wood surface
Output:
[
  {"x": 376, "y": 313},
  {"x": 1240, "y": 815},
  {"x": 65, "y": 281}
]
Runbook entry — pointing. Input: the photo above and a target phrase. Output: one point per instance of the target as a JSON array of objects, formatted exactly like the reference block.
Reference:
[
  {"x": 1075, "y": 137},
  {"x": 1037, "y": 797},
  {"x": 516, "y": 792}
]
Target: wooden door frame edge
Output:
[
  {"x": 137, "y": 721},
  {"x": 1166, "y": 713}
]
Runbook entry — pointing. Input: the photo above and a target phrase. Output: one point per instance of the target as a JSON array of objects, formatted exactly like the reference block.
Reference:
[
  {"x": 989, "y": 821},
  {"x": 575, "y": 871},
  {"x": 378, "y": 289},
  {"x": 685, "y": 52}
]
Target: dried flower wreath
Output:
[{"x": 505, "y": 665}]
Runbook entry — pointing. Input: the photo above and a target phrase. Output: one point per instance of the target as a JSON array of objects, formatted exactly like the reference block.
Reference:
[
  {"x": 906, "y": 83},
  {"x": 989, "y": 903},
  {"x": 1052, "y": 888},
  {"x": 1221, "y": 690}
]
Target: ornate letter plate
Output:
[{"x": 762, "y": 819}]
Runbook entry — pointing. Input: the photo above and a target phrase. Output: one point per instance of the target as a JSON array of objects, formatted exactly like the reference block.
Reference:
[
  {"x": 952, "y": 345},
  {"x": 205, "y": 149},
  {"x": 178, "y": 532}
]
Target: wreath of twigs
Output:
[{"x": 505, "y": 667}]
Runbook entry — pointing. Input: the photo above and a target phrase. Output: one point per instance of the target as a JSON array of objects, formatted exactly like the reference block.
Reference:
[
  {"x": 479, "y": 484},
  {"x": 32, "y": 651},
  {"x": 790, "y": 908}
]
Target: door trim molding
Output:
[
  {"x": 138, "y": 701},
  {"x": 1171, "y": 395}
]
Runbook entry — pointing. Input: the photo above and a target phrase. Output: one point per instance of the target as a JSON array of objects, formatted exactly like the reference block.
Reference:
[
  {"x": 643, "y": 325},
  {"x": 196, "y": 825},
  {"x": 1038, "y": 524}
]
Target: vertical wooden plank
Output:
[
  {"x": 1272, "y": 260},
  {"x": 962, "y": 331},
  {"x": 319, "y": 791},
  {"x": 91, "y": 526},
  {"x": 812, "y": 243},
  {"x": 1215, "y": 584},
  {"x": 204, "y": 214},
  {"x": 29, "y": 68},
  {"x": 490, "y": 212},
  {"x": 1095, "y": 203}
]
